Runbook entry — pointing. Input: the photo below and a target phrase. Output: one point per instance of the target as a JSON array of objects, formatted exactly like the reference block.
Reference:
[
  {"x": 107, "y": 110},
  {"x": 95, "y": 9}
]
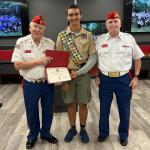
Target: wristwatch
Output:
[{"x": 136, "y": 75}]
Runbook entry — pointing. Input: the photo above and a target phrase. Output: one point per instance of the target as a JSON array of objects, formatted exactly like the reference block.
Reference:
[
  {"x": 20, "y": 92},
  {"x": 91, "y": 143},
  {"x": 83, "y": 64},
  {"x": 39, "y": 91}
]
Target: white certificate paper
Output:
[{"x": 57, "y": 74}]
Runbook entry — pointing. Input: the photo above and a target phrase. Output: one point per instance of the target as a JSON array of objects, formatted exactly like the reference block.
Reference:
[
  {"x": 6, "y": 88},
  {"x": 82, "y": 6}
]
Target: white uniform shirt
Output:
[
  {"x": 116, "y": 54},
  {"x": 27, "y": 50}
]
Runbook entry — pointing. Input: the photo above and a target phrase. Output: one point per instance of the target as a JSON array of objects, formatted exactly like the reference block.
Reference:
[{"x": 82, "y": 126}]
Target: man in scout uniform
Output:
[
  {"x": 29, "y": 59},
  {"x": 81, "y": 46},
  {"x": 115, "y": 53}
]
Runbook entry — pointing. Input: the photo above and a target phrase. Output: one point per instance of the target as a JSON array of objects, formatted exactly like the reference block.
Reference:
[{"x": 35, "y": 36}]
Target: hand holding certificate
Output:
[{"x": 57, "y": 69}]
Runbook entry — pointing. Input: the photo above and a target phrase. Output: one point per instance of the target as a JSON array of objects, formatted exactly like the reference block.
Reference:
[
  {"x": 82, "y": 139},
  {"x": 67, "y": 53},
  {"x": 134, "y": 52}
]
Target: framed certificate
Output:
[
  {"x": 57, "y": 70},
  {"x": 57, "y": 74}
]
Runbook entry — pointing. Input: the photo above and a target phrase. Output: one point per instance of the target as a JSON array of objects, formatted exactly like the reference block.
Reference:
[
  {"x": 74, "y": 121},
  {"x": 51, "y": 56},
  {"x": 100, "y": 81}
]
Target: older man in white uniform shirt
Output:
[
  {"x": 30, "y": 60},
  {"x": 115, "y": 53}
]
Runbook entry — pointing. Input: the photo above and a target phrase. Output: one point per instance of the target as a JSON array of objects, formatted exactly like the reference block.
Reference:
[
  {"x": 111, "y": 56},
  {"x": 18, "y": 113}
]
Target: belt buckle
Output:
[
  {"x": 38, "y": 81},
  {"x": 33, "y": 81},
  {"x": 114, "y": 74},
  {"x": 41, "y": 80}
]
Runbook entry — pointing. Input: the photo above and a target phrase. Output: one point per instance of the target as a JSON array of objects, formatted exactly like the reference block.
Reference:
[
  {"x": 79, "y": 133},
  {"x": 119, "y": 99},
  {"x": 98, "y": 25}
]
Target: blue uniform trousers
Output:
[
  {"x": 119, "y": 86},
  {"x": 32, "y": 94}
]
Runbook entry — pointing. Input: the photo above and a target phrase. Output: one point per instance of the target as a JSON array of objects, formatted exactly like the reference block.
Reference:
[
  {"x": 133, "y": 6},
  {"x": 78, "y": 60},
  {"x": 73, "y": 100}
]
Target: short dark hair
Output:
[{"x": 73, "y": 7}]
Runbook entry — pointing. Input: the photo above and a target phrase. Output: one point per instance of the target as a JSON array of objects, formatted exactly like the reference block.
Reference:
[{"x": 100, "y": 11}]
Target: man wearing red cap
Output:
[
  {"x": 30, "y": 60},
  {"x": 115, "y": 53}
]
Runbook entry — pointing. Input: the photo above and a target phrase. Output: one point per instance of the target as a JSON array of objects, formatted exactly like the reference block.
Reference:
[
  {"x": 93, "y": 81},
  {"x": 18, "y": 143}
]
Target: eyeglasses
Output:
[{"x": 73, "y": 14}]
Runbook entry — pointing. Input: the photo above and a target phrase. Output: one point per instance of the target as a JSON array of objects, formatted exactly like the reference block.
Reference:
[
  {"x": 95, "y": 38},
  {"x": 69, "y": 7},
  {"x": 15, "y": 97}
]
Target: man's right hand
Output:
[
  {"x": 45, "y": 60},
  {"x": 33, "y": 63},
  {"x": 97, "y": 81},
  {"x": 65, "y": 87}
]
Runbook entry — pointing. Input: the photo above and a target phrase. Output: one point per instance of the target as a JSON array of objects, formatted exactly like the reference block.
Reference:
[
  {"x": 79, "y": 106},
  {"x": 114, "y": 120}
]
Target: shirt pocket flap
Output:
[
  {"x": 103, "y": 50},
  {"x": 83, "y": 42}
]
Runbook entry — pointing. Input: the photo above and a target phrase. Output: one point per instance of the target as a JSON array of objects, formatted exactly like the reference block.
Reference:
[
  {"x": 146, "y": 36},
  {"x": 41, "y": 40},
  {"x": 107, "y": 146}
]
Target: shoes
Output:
[
  {"x": 1, "y": 104},
  {"x": 124, "y": 142},
  {"x": 50, "y": 139},
  {"x": 102, "y": 138},
  {"x": 30, "y": 144},
  {"x": 69, "y": 136},
  {"x": 84, "y": 136}
]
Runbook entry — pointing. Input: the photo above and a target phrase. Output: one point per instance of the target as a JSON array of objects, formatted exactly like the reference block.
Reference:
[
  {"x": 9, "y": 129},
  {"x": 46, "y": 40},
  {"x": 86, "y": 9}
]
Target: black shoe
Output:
[
  {"x": 30, "y": 144},
  {"x": 50, "y": 139},
  {"x": 124, "y": 142},
  {"x": 1, "y": 104},
  {"x": 102, "y": 138}
]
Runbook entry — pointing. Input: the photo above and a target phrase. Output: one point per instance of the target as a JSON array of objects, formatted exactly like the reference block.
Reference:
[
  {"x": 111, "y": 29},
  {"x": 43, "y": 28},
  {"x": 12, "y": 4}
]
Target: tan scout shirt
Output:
[
  {"x": 27, "y": 50},
  {"x": 116, "y": 54},
  {"x": 84, "y": 42}
]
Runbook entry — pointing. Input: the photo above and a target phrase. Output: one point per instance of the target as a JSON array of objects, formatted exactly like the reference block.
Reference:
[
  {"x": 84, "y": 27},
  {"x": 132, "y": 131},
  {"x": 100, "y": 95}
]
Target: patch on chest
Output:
[
  {"x": 104, "y": 45},
  {"x": 84, "y": 36},
  {"x": 27, "y": 51}
]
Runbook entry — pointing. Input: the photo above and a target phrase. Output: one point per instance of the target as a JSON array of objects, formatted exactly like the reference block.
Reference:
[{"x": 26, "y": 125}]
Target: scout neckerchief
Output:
[{"x": 69, "y": 44}]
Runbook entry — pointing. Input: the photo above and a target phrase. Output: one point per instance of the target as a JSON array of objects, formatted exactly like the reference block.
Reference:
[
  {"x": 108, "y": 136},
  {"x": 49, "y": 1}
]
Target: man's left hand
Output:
[{"x": 134, "y": 82}]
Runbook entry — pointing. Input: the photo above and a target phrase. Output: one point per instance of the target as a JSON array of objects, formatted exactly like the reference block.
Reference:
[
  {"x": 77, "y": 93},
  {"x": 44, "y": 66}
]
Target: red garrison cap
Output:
[
  {"x": 112, "y": 15},
  {"x": 39, "y": 20}
]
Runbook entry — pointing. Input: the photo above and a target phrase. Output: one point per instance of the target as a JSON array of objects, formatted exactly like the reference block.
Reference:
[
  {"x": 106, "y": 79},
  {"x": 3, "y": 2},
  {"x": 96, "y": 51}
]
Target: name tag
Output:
[
  {"x": 27, "y": 51},
  {"x": 104, "y": 45}
]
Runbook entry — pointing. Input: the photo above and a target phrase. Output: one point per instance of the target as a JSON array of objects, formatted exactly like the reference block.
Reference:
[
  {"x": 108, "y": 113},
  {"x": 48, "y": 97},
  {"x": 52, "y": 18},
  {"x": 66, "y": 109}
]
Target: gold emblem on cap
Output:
[
  {"x": 116, "y": 16},
  {"x": 41, "y": 21}
]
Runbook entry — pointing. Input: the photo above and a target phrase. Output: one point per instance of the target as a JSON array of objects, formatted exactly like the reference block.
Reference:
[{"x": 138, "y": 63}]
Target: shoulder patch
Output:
[{"x": 17, "y": 46}]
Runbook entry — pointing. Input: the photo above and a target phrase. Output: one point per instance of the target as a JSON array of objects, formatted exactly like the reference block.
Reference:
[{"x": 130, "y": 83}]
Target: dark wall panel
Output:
[
  {"x": 54, "y": 14},
  {"x": 97, "y": 9}
]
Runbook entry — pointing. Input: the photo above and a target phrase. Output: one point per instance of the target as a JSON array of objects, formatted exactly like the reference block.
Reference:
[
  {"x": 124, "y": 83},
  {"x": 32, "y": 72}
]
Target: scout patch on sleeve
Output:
[{"x": 17, "y": 46}]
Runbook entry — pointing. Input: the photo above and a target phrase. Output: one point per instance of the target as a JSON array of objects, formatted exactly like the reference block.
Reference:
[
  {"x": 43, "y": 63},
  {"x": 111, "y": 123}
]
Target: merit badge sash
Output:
[{"x": 70, "y": 46}]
